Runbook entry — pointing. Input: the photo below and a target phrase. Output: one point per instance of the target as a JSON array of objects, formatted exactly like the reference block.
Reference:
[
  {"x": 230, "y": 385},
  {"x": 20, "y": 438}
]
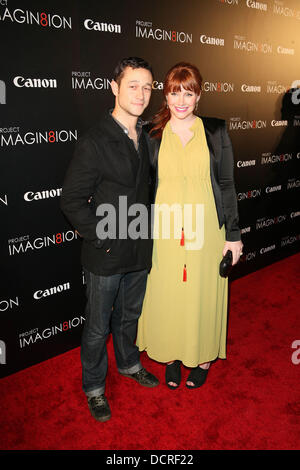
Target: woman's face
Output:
[{"x": 182, "y": 103}]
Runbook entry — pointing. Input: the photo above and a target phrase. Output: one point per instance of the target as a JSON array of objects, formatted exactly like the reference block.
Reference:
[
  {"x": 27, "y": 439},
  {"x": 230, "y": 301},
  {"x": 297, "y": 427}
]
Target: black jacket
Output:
[
  {"x": 105, "y": 166},
  {"x": 221, "y": 174}
]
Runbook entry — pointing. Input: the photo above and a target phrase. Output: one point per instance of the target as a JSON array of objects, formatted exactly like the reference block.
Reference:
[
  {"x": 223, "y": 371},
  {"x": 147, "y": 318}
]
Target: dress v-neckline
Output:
[{"x": 184, "y": 145}]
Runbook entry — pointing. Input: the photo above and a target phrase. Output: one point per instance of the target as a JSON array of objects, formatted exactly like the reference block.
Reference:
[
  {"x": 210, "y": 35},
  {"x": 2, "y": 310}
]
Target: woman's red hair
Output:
[{"x": 184, "y": 74}]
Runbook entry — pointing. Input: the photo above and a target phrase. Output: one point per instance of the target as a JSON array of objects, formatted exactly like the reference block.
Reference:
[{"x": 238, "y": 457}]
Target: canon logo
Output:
[
  {"x": 241, "y": 164},
  {"x": 212, "y": 40},
  {"x": 31, "y": 196},
  {"x": 103, "y": 27},
  {"x": 157, "y": 85},
  {"x": 275, "y": 123},
  {"x": 35, "y": 82},
  {"x": 257, "y": 5},
  {"x": 251, "y": 88},
  {"x": 285, "y": 50},
  {"x": 272, "y": 189},
  {"x": 267, "y": 249},
  {"x": 39, "y": 294}
]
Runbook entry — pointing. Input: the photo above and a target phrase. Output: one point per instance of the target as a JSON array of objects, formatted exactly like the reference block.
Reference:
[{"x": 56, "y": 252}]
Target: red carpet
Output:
[{"x": 250, "y": 401}]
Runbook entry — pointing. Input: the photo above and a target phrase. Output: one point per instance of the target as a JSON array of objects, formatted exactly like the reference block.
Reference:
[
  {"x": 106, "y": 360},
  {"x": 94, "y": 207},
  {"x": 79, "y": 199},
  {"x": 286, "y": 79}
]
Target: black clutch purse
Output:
[{"x": 226, "y": 264}]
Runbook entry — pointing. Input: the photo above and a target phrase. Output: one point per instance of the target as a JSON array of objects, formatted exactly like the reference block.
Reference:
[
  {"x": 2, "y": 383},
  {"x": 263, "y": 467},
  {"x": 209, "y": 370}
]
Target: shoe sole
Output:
[
  {"x": 192, "y": 387},
  {"x": 171, "y": 387},
  {"x": 143, "y": 385},
  {"x": 102, "y": 419}
]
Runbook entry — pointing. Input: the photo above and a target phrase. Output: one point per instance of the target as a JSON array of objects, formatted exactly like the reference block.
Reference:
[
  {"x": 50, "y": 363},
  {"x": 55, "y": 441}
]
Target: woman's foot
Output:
[
  {"x": 197, "y": 376},
  {"x": 173, "y": 374}
]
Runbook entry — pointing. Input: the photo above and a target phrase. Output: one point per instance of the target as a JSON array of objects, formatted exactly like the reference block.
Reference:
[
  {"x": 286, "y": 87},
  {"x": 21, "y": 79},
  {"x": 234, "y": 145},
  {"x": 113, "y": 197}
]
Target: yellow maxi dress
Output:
[{"x": 184, "y": 315}]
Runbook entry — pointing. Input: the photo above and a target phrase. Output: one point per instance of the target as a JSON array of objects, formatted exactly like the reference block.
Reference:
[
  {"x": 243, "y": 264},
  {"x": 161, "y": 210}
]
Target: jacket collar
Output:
[
  {"x": 140, "y": 123},
  {"x": 209, "y": 128}
]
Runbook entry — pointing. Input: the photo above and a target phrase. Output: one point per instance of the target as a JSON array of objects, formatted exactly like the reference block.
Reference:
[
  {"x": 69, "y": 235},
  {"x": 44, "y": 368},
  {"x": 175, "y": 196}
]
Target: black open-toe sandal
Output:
[
  {"x": 173, "y": 374},
  {"x": 197, "y": 376}
]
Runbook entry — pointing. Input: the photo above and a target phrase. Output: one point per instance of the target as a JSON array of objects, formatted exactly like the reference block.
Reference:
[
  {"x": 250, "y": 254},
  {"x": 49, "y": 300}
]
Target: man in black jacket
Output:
[{"x": 111, "y": 169}]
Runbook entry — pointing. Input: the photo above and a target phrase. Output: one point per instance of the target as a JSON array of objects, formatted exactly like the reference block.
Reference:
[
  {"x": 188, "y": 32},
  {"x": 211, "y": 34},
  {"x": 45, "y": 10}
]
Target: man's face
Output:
[{"x": 134, "y": 92}]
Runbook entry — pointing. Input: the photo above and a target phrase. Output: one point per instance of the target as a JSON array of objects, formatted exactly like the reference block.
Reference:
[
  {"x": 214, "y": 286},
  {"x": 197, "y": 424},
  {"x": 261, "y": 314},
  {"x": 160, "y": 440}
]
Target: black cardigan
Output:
[{"x": 221, "y": 174}]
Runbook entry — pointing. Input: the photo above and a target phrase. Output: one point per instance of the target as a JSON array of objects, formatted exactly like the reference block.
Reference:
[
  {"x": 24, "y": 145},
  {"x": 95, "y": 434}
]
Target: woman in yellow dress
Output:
[{"x": 184, "y": 316}]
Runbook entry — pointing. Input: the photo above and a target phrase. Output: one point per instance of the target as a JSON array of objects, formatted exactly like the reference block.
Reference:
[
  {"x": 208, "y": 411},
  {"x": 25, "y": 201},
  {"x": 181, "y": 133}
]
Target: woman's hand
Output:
[{"x": 236, "y": 248}]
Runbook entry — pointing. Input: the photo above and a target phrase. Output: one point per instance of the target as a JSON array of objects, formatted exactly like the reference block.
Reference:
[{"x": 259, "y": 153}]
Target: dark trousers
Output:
[{"x": 114, "y": 305}]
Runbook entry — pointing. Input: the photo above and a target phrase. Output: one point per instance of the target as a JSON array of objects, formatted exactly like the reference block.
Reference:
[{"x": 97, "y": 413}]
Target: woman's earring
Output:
[{"x": 196, "y": 107}]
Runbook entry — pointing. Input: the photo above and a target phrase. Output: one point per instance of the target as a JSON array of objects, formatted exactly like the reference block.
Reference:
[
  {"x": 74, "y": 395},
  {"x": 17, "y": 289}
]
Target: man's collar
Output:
[{"x": 140, "y": 123}]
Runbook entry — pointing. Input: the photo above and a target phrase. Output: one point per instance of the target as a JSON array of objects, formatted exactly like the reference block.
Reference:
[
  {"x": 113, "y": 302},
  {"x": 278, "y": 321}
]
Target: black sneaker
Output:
[
  {"x": 99, "y": 408},
  {"x": 144, "y": 378}
]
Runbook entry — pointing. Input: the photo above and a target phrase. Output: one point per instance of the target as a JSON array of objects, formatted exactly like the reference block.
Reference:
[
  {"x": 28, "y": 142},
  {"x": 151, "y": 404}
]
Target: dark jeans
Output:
[{"x": 114, "y": 305}]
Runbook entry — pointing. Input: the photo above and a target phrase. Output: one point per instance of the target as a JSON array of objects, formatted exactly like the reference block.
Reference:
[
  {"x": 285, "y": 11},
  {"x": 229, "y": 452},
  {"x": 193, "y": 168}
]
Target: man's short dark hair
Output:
[{"x": 134, "y": 63}]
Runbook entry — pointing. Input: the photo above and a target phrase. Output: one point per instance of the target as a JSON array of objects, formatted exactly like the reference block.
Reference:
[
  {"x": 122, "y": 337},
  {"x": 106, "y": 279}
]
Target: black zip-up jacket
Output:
[{"x": 104, "y": 167}]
